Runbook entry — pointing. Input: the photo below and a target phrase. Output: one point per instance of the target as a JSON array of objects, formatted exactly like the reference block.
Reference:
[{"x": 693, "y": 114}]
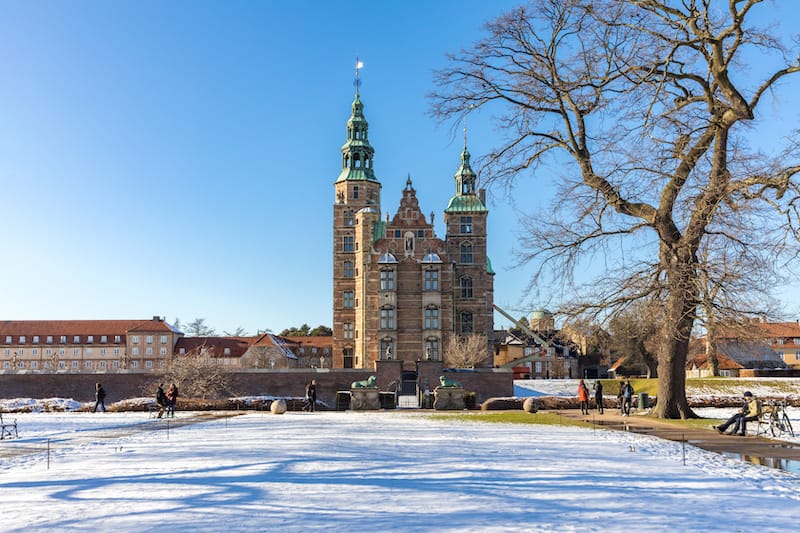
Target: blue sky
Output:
[{"x": 178, "y": 158}]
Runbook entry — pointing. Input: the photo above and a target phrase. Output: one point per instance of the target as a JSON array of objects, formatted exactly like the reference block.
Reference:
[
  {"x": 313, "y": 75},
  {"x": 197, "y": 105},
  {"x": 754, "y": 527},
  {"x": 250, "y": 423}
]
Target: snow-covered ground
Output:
[{"x": 383, "y": 471}]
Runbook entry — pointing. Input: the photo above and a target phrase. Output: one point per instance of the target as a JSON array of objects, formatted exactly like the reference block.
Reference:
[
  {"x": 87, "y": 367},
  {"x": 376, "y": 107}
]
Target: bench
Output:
[{"x": 6, "y": 428}]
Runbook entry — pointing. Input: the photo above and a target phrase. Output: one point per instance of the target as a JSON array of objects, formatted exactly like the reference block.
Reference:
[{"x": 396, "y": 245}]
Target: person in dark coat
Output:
[
  {"x": 311, "y": 396},
  {"x": 100, "y": 398},
  {"x": 627, "y": 398},
  {"x": 161, "y": 400},
  {"x": 598, "y": 396},
  {"x": 172, "y": 399}
]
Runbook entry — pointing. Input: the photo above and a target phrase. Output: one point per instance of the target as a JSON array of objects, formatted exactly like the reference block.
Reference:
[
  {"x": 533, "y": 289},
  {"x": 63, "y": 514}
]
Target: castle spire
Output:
[{"x": 357, "y": 153}]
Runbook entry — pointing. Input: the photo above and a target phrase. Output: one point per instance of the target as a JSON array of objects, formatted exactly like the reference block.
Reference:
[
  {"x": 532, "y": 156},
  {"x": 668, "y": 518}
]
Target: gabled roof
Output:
[
  {"x": 701, "y": 361},
  {"x": 84, "y": 328},
  {"x": 315, "y": 341},
  {"x": 268, "y": 340}
]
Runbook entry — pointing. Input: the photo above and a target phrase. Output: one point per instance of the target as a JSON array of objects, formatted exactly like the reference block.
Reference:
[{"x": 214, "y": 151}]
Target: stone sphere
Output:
[
  {"x": 530, "y": 405},
  {"x": 277, "y": 407}
]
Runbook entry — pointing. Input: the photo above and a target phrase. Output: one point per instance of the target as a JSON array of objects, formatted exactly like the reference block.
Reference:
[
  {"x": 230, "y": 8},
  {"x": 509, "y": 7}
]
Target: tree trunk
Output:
[{"x": 674, "y": 347}]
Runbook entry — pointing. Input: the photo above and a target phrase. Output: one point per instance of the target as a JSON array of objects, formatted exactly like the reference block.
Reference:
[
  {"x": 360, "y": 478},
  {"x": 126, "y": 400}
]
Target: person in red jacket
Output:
[{"x": 583, "y": 397}]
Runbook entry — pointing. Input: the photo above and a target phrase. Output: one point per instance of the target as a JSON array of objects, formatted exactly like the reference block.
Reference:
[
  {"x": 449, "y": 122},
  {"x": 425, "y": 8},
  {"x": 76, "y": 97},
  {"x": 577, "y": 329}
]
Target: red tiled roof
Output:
[
  {"x": 320, "y": 341},
  {"x": 761, "y": 330},
  {"x": 84, "y": 328},
  {"x": 701, "y": 361}
]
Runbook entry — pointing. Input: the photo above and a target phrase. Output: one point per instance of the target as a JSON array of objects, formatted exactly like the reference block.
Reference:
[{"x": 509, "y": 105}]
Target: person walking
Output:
[
  {"x": 627, "y": 398},
  {"x": 598, "y": 396},
  {"x": 99, "y": 397},
  {"x": 751, "y": 410},
  {"x": 583, "y": 397},
  {"x": 161, "y": 400},
  {"x": 311, "y": 396},
  {"x": 172, "y": 399}
]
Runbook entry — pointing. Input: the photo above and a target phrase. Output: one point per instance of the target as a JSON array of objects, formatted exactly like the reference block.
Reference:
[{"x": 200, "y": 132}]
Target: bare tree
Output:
[
  {"x": 198, "y": 375},
  {"x": 633, "y": 334},
  {"x": 198, "y": 328},
  {"x": 642, "y": 106},
  {"x": 466, "y": 351}
]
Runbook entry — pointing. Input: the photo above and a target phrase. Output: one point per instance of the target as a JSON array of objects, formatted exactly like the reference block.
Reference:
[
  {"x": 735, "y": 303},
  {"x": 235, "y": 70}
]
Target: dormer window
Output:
[{"x": 22, "y": 339}]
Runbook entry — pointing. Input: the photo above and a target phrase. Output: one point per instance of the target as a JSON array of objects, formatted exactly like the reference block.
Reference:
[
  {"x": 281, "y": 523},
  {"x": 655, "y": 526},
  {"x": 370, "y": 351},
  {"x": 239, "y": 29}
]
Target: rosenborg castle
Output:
[{"x": 400, "y": 291}]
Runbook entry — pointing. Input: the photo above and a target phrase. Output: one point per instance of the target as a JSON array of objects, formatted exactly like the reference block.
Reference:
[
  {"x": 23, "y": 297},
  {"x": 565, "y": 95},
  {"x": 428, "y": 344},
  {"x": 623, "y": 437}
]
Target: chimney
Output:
[{"x": 157, "y": 318}]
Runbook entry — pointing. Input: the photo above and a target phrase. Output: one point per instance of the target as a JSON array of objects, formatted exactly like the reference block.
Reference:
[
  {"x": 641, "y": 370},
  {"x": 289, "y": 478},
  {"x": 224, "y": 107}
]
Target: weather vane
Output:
[{"x": 359, "y": 66}]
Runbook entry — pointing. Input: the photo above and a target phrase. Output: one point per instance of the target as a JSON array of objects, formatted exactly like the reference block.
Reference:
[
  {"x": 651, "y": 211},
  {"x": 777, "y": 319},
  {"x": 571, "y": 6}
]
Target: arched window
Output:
[
  {"x": 431, "y": 317},
  {"x": 432, "y": 349},
  {"x": 466, "y": 252},
  {"x": 387, "y": 317},
  {"x": 387, "y": 279},
  {"x": 347, "y": 357},
  {"x": 431, "y": 280},
  {"x": 347, "y": 330},
  {"x": 466, "y": 287},
  {"x": 465, "y": 322}
]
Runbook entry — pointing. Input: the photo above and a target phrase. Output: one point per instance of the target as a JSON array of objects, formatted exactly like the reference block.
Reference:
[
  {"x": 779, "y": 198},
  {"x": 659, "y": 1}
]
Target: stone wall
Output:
[{"x": 486, "y": 383}]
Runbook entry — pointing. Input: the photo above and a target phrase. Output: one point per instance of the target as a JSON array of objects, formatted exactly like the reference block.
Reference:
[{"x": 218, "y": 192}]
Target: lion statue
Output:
[
  {"x": 450, "y": 383},
  {"x": 368, "y": 383}
]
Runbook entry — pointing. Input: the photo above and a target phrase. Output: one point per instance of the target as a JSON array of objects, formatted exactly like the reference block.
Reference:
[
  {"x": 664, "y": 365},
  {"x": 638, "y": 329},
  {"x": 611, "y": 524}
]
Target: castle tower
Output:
[
  {"x": 473, "y": 278},
  {"x": 399, "y": 291},
  {"x": 356, "y": 189}
]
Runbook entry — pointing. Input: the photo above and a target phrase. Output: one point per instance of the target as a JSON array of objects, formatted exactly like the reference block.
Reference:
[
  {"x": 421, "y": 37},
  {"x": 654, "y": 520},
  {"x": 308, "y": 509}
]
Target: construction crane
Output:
[{"x": 545, "y": 344}]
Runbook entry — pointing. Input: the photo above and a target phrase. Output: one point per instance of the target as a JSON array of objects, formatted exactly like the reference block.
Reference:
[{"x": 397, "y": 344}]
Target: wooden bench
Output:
[{"x": 6, "y": 428}]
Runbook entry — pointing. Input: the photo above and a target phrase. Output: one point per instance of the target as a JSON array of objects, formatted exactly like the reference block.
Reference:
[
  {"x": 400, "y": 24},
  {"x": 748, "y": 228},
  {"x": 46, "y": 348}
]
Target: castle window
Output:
[
  {"x": 22, "y": 339},
  {"x": 348, "y": 243},
  {"x": 347, "y": 358},
  {"x": 347, "y": 330},
  {"x": 355, "y": 187},
  {"x": 432, "y": 349},
  {"x": 90, "y": 339},
  {"x": 8, "y": 339},
  {"x": 36, "y": 339},
  {"x": 431, "y": 280},
  {"x": 347, "y": 269},
  {"x": 387, "y": 280},
  {"x": 466, "y": 224},
  {"x": 63, "y": 339},
  {"x": 348, "y": 299},
  {"x": 466, "y": 325},
  {"x": 431, "y": 317},
  {"x": 349, "y": 217},
  {"x": 76, "y": 339},
  {"x": 466, "y": 287},
  {"x": 163, "y": 339},
  {"x": 420, "y": 233},
  {"x": 387, "y": 318},
  {"x": 466, "y": 252},
  {"x": 49, "y": 339}
]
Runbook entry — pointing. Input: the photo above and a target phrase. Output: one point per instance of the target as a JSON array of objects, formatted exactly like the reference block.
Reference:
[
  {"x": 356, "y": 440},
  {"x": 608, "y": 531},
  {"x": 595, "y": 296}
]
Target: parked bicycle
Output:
[{"x": 779, "y": 420}]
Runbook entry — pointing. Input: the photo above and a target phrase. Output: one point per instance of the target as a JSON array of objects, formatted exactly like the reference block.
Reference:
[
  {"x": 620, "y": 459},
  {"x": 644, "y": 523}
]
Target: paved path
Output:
[{"x": 759, "y": 450}]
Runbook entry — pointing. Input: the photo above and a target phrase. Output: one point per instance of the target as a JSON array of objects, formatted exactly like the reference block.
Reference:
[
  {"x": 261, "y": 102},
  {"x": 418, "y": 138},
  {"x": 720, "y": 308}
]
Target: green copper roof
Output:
[
  {"x": 489, "y": 266},
  {"x": 466, "y": 203},
  {"x": 356, "y": 174},
  {"x": 378, "y": 230}
]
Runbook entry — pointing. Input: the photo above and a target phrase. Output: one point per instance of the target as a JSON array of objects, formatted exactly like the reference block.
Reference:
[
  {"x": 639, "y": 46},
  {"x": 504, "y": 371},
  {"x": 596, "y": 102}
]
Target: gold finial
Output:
[{"x": 359, "y": 66}]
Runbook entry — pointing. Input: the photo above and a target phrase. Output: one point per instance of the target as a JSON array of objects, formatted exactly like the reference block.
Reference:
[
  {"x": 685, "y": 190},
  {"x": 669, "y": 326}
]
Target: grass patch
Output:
[{"x": 547, "y": 419}]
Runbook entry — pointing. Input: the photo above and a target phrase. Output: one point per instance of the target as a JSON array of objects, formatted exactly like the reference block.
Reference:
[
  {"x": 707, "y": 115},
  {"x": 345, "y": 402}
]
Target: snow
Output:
[{"x": 377, "y": 471}]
